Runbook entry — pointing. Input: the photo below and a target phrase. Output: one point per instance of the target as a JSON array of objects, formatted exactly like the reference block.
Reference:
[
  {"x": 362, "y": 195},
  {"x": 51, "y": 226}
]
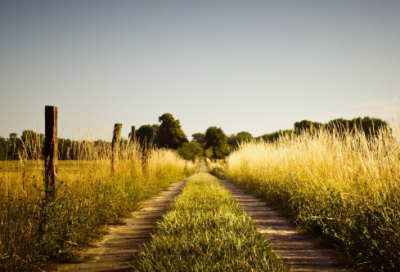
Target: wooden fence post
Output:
[
  {"x": 145, "y": 158},
  {"x": 133, "y": 134},
  {"x": 115, "y": 146},
  {"x": 132, "y": 149},
  {"x": 51, "y": 152}
]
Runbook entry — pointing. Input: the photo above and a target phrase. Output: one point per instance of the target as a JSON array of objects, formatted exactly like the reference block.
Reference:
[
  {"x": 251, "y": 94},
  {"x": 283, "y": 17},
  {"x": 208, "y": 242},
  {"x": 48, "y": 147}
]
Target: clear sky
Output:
[{"x": 256, "y": 66}]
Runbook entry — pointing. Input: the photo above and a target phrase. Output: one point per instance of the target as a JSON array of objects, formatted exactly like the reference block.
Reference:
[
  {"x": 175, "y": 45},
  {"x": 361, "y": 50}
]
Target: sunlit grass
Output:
[
  {"x": 343, "y": 188},
  {"x": 205, "y": 230},
  {"x": 89, "y": 197}
]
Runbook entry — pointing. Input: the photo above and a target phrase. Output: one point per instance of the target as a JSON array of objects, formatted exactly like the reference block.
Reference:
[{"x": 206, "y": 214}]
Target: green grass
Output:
[
  {"x": 34, "y": 233},
  {"x": 205, "y": 230}
]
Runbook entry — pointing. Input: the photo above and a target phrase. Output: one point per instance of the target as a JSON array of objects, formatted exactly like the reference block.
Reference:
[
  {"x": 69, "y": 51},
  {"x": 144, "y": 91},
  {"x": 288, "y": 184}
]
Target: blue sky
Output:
[{"x": 256, "y": 66}]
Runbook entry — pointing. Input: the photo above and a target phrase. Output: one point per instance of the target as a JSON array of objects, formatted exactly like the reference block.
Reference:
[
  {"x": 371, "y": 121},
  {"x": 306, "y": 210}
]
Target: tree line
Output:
[{"x": 214, "y": 143}]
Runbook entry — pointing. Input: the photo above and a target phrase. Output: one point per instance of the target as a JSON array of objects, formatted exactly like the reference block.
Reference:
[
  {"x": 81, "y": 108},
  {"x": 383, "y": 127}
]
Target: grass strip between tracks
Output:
[{"x": 205, "y": 230}]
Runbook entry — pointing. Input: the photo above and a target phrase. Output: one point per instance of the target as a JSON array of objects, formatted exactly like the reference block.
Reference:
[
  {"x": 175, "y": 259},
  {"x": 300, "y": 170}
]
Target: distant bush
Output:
[
  {"x": 217, "y": 139},
  {"x": 235, "y": 140},
  {"x": 271, "y": 137},
  {"x": 190, "y": 151}
]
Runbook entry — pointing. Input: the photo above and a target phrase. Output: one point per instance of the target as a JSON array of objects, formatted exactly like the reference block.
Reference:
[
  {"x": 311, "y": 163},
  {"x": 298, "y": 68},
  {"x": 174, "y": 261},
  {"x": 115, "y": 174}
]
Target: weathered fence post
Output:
[
  {"x": 115, "y": 146},
  {"x": 51, "y": 152},
  {"x": 132, "y": 149},
  {"x": 133, "y": 134},
  {"x": 145, "y": 168}
]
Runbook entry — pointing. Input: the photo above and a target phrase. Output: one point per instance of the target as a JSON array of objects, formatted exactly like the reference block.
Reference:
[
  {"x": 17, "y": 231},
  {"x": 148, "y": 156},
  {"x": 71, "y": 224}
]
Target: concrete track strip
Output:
[
  {"x": 296, "y": 250},
  {"x": 117, "y": 250}
]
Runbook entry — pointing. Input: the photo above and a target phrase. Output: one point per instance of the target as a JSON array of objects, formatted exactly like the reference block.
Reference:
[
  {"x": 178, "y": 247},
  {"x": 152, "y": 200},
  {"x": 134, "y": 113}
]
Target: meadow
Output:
[
  {"x": 342, "y": 187},
  {"x": 206, "y": 230},
  {"x": 89, "y": 196}
]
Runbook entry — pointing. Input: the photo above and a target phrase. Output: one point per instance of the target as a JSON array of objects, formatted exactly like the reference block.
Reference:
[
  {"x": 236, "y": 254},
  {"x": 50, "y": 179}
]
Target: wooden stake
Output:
[
  {"x": 115, "y": 146},
  {"x": 145, "y": 169},
  {"x": 133, "y": 134},
  {"x": 51, "y": 152}
]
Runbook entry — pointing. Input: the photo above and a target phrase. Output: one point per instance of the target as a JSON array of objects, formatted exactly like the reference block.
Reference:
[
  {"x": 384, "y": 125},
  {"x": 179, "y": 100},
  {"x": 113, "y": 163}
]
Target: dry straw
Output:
[
  {"x": 89, "y": 196},
  {"x": 342, "y": 186}
]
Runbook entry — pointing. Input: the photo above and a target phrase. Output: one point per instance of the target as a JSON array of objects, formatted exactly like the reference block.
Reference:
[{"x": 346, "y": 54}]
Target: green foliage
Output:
[
  {"x": 146, "y": 134},
  {"x": 306, "y": 125},
  {"x": 271, "y": 137},
  {"x": 208, "y": 152},
  {"x": 206, "y": 230},
  {"x": 217, "y": 139},
  {"x": 169, "y": 133},
  {"x": 3, "y": 148},
  {"x": 15, "y": 147},
  {"x": 370, "y": 126},
  {"x": 235, "y": 139},
  {"x": 190, "y": 150},
  {"x": 199, "y": 138},
  {"x": 33, "y": 143}
]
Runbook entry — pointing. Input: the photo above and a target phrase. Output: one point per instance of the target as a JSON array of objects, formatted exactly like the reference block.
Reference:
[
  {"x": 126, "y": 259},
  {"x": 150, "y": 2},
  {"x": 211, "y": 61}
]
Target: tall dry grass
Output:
[
  {"x": 89, "y": 197},
  {"x": 343, "y": 187}
]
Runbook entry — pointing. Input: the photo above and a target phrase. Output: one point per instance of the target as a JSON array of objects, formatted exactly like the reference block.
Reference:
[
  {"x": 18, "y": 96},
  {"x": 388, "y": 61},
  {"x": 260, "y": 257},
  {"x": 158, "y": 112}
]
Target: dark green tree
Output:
[
  {"x": 14, "y": 147},
  {"x": 235, "y": 139},
  {"x": 146, "y": 134},
  {"x": 64, "y": 148},
  {"x": 367, "y": 125},
  {"x": 271, "y": 137},
  {"x": 306, "y": 125},
  {"x": 3, "y": 148},
  {"x": 33, "y": 143},
  {"x": 169, "y": 133},
  {"x": 199, "y": 138},
  {"x": 217, "y": 139},
  {"x": 191, "y": 150}
]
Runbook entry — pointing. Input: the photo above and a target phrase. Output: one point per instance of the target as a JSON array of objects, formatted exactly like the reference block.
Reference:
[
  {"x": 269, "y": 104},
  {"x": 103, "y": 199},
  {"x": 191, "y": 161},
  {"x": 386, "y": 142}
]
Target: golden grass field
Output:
[
  {"x": 89, "y": 197},
  {"x": 344, "y": 188}
]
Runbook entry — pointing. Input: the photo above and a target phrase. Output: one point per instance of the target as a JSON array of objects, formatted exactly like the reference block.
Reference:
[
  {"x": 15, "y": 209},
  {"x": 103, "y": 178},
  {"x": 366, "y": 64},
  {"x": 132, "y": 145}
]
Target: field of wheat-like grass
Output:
[
  {"x": 89, "y": 197},
  {"x": 341, "y": 186}
]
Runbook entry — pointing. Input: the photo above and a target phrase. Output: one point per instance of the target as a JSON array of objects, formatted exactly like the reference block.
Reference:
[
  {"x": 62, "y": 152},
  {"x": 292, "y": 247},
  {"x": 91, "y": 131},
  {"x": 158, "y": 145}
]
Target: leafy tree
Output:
[
  {"x": 370, "y": 126},
  {"x": 191, "y": 150},
  {"x": 64, "y": 148},
  {"x": 199, "y": 138},
  {"x": 3, "y": 148},
  {"x": 33, "y": 143},
  {"x": 271, "y": 137},
  {"x": 169, "y": 133},
  {"x": 147, "y": 133},
  {"x": 306, "y": 125},
  {"x": 208, "y": 152},
  {"x": 217, "y": 139},
  {"x": 235, "y": 139},
  {"x": 14, "y": 146}
]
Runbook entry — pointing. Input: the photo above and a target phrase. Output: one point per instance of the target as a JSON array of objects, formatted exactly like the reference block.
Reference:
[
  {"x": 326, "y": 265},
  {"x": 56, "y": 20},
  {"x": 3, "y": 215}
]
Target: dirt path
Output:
[
  {"x": 118, "y": 249},
  {"x": 298, "y": 251}
]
